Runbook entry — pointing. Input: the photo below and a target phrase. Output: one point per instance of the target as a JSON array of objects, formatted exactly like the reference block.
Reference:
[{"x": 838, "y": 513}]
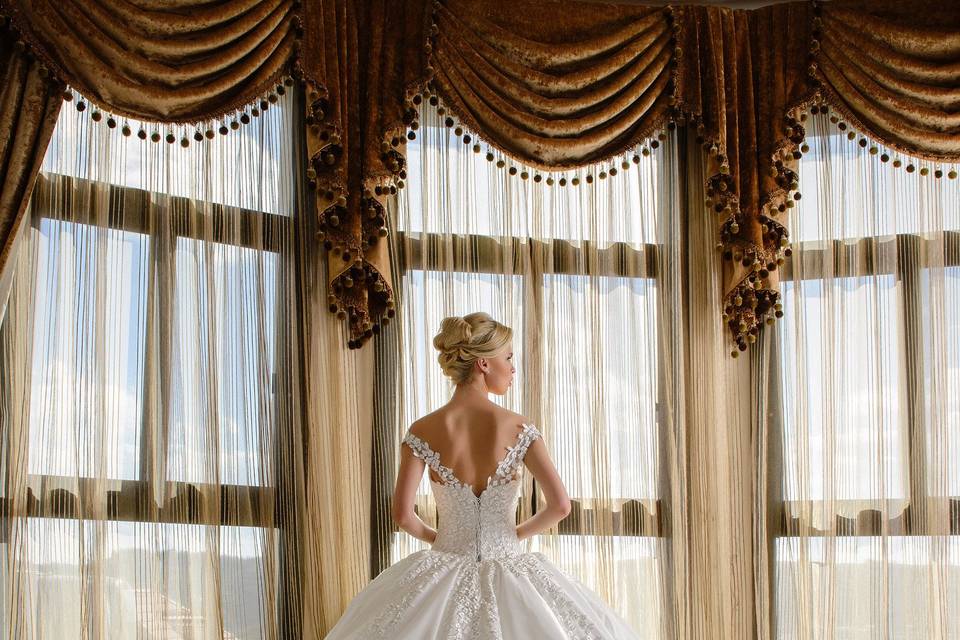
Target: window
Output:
[
  {"x": 865, "y": 388},
  {"x": 158, "y": 341}
]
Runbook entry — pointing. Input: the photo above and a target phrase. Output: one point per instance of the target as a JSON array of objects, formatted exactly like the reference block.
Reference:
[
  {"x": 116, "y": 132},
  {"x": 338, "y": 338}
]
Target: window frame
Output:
[{"x": 909, "y": 247}]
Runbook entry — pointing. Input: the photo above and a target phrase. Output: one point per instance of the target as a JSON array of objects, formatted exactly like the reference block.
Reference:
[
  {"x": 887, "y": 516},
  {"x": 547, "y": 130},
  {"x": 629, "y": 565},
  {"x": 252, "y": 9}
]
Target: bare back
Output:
[
  {"x": 471, "y": 437},
  {"x": 470, "y": 440}
]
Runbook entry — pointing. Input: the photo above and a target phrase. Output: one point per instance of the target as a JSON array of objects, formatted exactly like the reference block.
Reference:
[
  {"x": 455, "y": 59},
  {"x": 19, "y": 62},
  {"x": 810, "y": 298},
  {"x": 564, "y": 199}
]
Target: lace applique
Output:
[
  {"x": 423, "y": 451},
  {"x": 419, "y": 579},
  {"x": 491, "y": 613},
  {"x": 471, "y": 612},
  {"x": 506, "y": 468},
  {"x": 512, "y": 461},
  {"x": 462, "y": 608},
  {"x": 574, "y": 622}
]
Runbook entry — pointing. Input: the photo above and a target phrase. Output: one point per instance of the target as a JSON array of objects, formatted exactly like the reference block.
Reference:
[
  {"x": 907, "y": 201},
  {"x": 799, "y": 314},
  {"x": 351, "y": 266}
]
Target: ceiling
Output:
[{"x": 733, "y": 4}]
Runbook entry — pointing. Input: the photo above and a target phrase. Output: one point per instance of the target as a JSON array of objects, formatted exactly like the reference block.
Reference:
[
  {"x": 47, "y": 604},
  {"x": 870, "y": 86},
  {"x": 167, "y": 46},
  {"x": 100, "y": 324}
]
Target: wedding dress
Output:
[{"x": 476, "y": 581}]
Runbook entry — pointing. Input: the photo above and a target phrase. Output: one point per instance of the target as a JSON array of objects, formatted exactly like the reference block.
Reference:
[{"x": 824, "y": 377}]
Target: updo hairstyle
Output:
[{"x": 461, "y": 341}]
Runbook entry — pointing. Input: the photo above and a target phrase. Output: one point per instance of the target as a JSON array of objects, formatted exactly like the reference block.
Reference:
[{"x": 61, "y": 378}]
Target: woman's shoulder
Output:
[{"x": 440, "y": 421}]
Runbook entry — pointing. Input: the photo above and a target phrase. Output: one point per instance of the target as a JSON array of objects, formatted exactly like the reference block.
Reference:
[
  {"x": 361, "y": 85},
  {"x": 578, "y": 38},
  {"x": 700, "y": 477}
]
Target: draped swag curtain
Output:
[{"x": 569, "y": 91}]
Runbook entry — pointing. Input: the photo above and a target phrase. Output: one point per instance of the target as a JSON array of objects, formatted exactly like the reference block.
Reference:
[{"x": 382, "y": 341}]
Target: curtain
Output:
[
  {"x": 184, "y": 62},
  {"x": 600, "y": 273},
  {"x": 29, "y": 104},
  {"x": 359, "y": 66},
  {"x": 556, "y": 94},
  {"x": 336, "y": 391},
  {"x": 151, "y": 391},
  {"x": 863, "y": 389}
]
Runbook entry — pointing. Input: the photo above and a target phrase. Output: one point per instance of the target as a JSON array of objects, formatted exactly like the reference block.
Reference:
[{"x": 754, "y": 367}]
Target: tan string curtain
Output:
[
  {"x": 150, "y": 426},
  {"x": 863, "y": 386}
]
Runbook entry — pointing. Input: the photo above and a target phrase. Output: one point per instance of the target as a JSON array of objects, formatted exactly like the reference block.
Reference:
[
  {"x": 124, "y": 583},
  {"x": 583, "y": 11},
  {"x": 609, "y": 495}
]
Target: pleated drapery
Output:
[
  {"x": 570, "y": 91},
  {"x": 29, "y": 104}
]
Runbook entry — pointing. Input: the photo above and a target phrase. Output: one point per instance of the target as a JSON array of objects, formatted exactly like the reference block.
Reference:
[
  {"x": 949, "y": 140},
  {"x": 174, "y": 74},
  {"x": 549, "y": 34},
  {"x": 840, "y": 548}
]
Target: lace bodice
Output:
[{"x": 483, "y": 526}]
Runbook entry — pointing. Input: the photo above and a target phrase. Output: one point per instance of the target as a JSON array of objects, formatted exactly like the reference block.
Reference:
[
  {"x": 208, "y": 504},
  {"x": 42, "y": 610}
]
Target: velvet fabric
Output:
[
  {"x": 360, "y": 64},
  {"x": 29, "y": 104},
  {"x": 893, "y": 71},
  {"x": 743, "y": 77},
  {"x": 580, "y": 87},
  {"x": 558, "y": 93},
  {"x": 180, "y": 61}
]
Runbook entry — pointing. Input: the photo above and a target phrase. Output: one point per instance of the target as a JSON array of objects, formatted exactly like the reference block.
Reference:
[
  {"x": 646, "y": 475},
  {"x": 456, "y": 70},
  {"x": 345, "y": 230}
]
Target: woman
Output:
[{"x": 476, "y": 581}]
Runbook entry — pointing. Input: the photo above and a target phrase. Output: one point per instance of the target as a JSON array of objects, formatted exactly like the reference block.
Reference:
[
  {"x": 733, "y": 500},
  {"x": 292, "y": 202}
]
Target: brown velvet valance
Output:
[
  {"x": 359, "y": 63},
  {"x": 557, "y": 93},
  {"x": 29, "y": 104},
  {"x": 892, "y": 69},
  {"x": 580, "y": 87},
  {"x": 179, "y": 61}
]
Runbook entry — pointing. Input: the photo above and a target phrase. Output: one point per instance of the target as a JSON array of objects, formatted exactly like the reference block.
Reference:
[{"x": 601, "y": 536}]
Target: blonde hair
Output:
[{"x": 461, "y": 341}]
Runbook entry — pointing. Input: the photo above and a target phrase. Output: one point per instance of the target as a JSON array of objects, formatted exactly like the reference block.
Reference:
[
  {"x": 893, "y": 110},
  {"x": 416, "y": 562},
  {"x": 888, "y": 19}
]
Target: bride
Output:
[{"x": 476, "y": 580}]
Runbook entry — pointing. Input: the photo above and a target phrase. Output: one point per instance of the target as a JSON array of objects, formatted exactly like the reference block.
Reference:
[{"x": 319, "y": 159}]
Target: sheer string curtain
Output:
[
  {"x": 865, "y": 382},
  {"x": 591, "y": 273},
  {"x": 148, "y": 373}
]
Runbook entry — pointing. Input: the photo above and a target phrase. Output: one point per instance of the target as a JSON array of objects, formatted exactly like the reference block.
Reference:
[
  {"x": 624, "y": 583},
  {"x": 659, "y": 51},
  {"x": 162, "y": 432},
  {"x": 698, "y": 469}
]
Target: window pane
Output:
[
  {"x": 600, "y": 367},
  {"x": 245, "y": 168},
  {"x": 454, "y": 190},
  {"x": 842, "y": 381},
  {"x": 223, "y": 356},
  {"x": 86, "y": 395},
  {"x": 941, "y": 320},
  {"x": 153, "y": 580},
  {"x": 865, "y": 197},
  {"x": 863, "y": 588}
]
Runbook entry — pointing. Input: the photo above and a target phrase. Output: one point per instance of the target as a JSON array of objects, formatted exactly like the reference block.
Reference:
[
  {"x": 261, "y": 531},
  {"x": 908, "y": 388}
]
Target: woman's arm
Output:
[
  {"x": 405, "y": 493},
  {"x": 538, "y": 461}
]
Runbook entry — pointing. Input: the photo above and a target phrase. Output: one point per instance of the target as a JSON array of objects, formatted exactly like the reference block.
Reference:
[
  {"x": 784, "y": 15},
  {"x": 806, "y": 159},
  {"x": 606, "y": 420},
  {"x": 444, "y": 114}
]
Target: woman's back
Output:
[{"x": 470, "y": 439}]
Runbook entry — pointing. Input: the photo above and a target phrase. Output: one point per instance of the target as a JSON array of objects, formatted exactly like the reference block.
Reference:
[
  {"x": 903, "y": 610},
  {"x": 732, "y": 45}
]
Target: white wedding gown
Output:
[{"x": 476, "y": 581}]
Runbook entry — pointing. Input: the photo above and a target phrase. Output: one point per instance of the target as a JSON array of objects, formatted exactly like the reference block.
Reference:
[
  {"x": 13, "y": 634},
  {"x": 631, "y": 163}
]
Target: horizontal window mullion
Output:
[
  {"x": 135, "y": 211},
  {"x": 488, "y": 254},
  {"x": 812, "y": 255},
  {"x": 133, "y": 501},
  {"x": 870, "y": 522}
]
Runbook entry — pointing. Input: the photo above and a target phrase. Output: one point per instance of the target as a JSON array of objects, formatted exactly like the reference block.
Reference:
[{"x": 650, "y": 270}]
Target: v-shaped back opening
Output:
[{"x": 432, "y": 453}]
